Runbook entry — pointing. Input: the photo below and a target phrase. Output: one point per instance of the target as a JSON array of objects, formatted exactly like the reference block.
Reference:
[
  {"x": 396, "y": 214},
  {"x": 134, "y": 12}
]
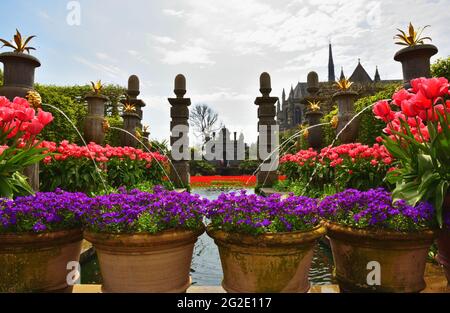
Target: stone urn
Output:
[
  {"x": 93, "y": 123},
  {"x": 348, "y": 132},
  {"x": 415, "y": 61},
  {"x": 38, "y": 262},
  {"x": 131, "y": 121},
  {"x": 267, "y": 263},
  {"x": 18, "y": 80},
  {"x": 18, "y": 74},
  {"x": 315, "y": 133},
  {"x": 145, "y": 263},
  {"x": 401, "y": 257}
]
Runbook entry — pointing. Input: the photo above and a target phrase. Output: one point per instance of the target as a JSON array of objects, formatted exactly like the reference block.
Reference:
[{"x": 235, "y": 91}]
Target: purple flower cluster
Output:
[
  {"x": 375, "y": 209},
  {"x": 253, "y": 214},
  {"x": 42, "y": 212},
  {"x": 142, "y": 212}
]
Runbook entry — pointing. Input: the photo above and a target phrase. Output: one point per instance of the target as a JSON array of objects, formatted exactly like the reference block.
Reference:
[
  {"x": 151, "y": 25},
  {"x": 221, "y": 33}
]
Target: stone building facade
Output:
[{"x": 291, "y": 108}]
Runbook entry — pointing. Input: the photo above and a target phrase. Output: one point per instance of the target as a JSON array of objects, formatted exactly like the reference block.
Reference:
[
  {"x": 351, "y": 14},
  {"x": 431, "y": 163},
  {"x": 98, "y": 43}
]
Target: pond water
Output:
[{"x": 206, "y": 268}]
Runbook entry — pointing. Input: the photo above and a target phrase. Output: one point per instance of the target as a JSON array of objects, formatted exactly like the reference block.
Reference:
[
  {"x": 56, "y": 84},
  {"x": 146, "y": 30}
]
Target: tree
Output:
[
  {"x": 1, "y": 77},
  {"x": 441, "y": 68},
  {"x": 204, "y": 121}
]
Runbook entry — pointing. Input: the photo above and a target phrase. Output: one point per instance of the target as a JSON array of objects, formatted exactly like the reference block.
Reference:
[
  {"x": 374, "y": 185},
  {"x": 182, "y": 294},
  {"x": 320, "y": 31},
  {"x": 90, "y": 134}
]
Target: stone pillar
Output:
[
  {"x": 18, "y": 80},
  {"x": 346, "y": 111},
  {"x": 93, "y": 123},
  {"x": 313, "y": 117},
  {"x": 179, "y": 114},
  {"x": 131, "y": 122},
  {"x": 266, "y": 117},
  {"x": 415, "y": 62},
  {"x": 133, "y": 91}
]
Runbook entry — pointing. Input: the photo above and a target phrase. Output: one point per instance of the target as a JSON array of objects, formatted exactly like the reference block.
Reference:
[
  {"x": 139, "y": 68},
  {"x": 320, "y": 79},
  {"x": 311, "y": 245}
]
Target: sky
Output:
[{"x": 220, "y": 46}]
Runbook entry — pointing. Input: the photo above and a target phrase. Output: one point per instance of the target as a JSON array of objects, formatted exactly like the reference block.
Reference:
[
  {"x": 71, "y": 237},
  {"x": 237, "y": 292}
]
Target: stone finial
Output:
[
  {"x": 313, "y": 80},
  {"x": 265, "y": 86},
  {"x": 180, "y": 86},
  {"x": 133, "y": 86}
]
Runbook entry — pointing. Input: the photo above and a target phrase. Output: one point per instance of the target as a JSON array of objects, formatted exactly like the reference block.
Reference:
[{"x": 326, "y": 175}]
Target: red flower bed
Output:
[{"x": 207, "y": 181}]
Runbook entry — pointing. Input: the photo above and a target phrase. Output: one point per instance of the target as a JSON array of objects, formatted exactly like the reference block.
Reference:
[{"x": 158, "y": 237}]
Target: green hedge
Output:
[
  {"x": 370, "y": 127},
  {"x": 441, "y": 68},
  {"x": 70, "y": 99}
]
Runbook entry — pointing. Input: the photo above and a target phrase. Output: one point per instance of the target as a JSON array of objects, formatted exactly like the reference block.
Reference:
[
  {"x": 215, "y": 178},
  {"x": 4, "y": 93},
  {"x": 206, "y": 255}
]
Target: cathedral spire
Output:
[
  {"x": 331, "y": 73},
  {"x": 283, "y": 97},
  {"x": 342, "y": 73},
  {"x": 377, "y": 76}
]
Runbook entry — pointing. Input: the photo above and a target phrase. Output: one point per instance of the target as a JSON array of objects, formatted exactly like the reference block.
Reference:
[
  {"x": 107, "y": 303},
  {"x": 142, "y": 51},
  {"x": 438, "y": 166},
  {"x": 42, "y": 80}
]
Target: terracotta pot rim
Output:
[
  {"x": 399, "y": 54},
  {"x": 96, "y": 96},
  {"x": 55, "y": 237},
  {"x": 378, "y": 234},
  {"x": 345, "y": 93},
  {"x": 20, "y": 55},
  {"x": 170, "y": 236},
  {"x": 271, "y": 239}
]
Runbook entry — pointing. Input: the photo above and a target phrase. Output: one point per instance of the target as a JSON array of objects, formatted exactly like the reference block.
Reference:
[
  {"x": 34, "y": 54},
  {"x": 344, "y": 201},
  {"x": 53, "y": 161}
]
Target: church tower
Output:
[{"x": 331, "y": 74}]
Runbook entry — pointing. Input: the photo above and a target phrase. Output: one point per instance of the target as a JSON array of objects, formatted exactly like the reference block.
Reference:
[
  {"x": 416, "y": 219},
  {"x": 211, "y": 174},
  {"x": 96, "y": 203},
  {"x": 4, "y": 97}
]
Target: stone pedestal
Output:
[
  {"x": 18, "y": 80},
  {"x": 313, "y": 117},
  {"x": 131, "y": 122},
  {"x": 266, "y": 117},
  {"x": 179, "y": 141},
  {"x": 314, "y": 134},
  {"x": 93, "y": 123},
  {"x": 415, "y": 62},
  {"x": 346, "y": 111}
]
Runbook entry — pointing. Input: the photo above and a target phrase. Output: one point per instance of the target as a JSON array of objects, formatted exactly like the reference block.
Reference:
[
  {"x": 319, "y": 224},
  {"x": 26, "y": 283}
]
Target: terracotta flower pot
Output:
[
  {"x": 444, "y": 243},
  {"x": 266, "y": 263},
  {"x": 145, "y": 263},
  {"x": 401, "y": 257},
  {"x": 415, "y": 62},
  {"x": 38, "y": 262}
]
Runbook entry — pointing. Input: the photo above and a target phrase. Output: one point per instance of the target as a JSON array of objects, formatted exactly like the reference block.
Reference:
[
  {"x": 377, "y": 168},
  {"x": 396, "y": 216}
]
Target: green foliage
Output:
[
  {"x": 12, "y": 162},
  {"x": 370, "y": 128},
  {"x": 329, "y": 133},
  {"x": 201, "y": 168},
  {"x": 248, "y": 167},
  {"x": 425, "y": 171},
  {"x": 112, "y": 137},
  {"x": 1, "y": 77},
  {"x": 441, "y": 68},
  {"x": 61, "y": 129}
]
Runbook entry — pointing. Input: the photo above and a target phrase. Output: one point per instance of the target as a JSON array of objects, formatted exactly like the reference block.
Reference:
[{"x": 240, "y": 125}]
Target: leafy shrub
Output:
[
  {"x": 202, "y": 168},
  {"x": 370, "y": 127},
  {"x": 441, "y": 68},
  {"x": 72, "y": 167}
]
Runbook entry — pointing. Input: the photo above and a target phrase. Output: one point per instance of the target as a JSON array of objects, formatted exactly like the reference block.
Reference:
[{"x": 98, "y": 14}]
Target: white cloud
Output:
[
  {"x": 162, "y": 39},
  {"x": 187, "y": 55},
  {"x": 101, "y": 69},
  {"x": 105, "y": 57},
  {"x": 175, "y": 13}
]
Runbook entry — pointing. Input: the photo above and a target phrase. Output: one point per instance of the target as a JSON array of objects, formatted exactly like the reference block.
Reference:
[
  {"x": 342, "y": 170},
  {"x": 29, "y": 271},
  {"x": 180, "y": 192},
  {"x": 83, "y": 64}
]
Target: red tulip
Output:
[
  {"x": 45, "y": 117},
  {"x": 382, "y": 110},
  {"x": 434, "y": 87},
  {"x": 35, "y": 127},
  {"x": 421, "y": 101},
  {"x": 401, "y": 96},
  {"x": 409, "y": 108}
]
